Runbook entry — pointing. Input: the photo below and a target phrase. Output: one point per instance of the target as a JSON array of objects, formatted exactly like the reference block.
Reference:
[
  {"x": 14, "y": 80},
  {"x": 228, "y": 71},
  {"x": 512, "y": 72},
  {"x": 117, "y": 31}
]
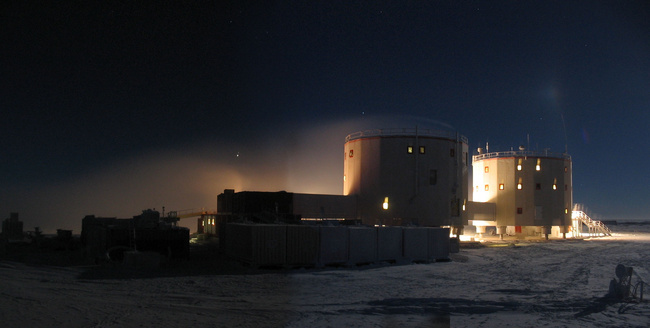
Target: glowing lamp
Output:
[{"x": 385, "y": 204}]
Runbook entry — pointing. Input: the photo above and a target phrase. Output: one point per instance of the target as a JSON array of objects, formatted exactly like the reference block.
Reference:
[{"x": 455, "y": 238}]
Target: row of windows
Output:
[
  {"x": 538, "y": 167},
  {"x": 421, "y": 150},
  {"x": 520, "y": 186},
  {"x": 409, "y": 150}
]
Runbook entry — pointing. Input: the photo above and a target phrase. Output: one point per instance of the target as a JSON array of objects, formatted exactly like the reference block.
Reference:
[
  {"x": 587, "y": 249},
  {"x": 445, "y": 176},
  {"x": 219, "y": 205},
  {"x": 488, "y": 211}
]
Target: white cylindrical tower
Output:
[
  {"x": 407, "y": 176},
  {"x": 529, "y": 188}
]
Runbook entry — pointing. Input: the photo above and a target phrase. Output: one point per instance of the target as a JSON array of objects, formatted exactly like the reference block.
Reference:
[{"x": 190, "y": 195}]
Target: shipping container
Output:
[
  {"x": 257, "y": 244},
  {"x": 363, "y": 245},
  {"x": 334, "y": 245},
  {"x": 438, "y": 244},
  {"x": 302, "y": 245},
  {"x": 415, "y": 244},
  {"x": 389, "y": 244}
]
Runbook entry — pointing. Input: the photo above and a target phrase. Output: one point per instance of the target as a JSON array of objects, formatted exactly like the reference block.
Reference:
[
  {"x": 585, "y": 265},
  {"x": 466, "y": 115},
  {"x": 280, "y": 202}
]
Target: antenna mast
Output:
[{"x": 566, "y": 146}]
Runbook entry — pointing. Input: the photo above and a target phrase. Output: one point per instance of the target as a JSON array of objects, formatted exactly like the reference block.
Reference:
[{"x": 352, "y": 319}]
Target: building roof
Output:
[{"x": 407, "y": 132}]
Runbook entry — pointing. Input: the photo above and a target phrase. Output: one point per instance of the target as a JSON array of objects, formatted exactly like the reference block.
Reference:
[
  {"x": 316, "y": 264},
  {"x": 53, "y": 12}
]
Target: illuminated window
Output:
[
  {"x": 566, "y": 210},
  {"x": 487, "y": 187},
  {"x": 421, "y": 149},
  {"x": 487, "y": 169},
  {"x": 501, "y": 186},
  {"x": 519, "y": 186},
  {"x": 409, "y": 149},
  {"x": 538, "y": 186},
  {"x": 538, "y": 167},
  {"x": 518, "y": 167},
  {"x": 520, "y": 210},
  {"x": 351, "y": 153},
  {"x": 554, "y": 186},
  {"x": 385, "y": 204},
  {"x": 566, "y": 169},
  {"x": 345, "y": 178}
]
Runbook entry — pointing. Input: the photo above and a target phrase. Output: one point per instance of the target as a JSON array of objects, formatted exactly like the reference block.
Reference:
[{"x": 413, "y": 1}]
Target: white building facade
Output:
[{"x": 532, "y": 191}]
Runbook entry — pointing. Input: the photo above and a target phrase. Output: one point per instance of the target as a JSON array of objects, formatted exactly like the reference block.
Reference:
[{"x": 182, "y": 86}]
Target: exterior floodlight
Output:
[{"x": 385, "y": 205}]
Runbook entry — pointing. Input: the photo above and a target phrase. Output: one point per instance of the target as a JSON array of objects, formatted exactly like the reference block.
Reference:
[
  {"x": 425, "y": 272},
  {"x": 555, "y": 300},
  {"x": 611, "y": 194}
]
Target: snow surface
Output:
[{"x": 557, "y": 283}]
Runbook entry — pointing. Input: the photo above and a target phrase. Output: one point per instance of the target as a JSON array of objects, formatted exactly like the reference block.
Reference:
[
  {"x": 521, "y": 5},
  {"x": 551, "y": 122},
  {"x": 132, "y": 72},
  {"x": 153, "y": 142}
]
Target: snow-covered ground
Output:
[{"x": 557, "y": 283}]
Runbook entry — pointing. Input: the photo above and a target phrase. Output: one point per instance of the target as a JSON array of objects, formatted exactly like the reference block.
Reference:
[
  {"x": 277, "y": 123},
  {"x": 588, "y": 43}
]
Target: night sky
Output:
[{"x": 113, "y": 107}]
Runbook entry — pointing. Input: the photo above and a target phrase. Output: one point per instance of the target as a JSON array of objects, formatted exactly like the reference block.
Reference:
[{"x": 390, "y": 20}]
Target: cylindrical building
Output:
[
  {"x": 407, "y": 176},
  {"x": 532, "y": 190}
]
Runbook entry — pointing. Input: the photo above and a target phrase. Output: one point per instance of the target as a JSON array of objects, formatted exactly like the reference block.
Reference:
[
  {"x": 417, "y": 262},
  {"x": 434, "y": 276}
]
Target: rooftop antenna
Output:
[{"x": 566, "y": 147}]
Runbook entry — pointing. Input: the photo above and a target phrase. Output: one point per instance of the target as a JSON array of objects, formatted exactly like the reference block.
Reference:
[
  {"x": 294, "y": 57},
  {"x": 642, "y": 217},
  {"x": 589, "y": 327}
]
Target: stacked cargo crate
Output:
[{"x": 296, "y": 245}]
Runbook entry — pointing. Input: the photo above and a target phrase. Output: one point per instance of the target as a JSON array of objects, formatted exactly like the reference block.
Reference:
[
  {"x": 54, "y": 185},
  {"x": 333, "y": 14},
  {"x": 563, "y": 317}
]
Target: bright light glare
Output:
[
  {"x": 385, "y": 205},
  {"x": 465, "y": 238}
]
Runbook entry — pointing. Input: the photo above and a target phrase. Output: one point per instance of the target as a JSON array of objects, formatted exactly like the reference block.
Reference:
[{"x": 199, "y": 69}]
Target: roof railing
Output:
[
  {"x": 410, "y": 132},
  {"x": 521, "y": 153}
]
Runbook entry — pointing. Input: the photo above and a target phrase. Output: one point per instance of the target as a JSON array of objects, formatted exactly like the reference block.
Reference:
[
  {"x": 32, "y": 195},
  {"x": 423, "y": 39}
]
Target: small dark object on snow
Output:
[{"x": 624, "y": 288}]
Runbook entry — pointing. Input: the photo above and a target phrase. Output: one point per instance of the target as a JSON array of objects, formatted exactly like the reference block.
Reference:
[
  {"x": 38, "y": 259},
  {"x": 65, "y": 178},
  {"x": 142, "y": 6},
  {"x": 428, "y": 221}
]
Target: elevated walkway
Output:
[
  {"x": 188, "y": 213},
  {"x": 581, "y": 220}
]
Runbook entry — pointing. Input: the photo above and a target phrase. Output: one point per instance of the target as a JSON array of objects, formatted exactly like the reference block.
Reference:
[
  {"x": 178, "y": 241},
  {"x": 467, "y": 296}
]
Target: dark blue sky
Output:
[{"x": 114, "y": 107}]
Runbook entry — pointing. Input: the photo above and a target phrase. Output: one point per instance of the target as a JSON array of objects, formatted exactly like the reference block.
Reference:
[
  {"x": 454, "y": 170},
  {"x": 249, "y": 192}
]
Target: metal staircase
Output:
[{"x": 581, "y": 219}]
